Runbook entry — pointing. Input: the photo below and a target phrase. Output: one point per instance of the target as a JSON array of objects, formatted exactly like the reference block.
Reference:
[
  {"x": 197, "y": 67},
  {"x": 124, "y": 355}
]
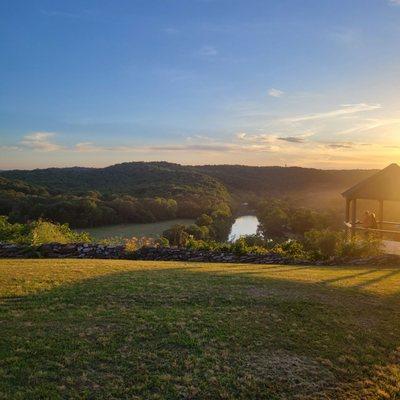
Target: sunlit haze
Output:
[{"x": 258, "y": 82}]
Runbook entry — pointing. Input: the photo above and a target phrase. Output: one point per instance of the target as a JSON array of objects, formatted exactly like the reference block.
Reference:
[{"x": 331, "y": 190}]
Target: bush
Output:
[
  {"x": 254, "y": 240},
  {"x": 239, "y": 247},
  {"x": 135, "y": 243},
  {"x": 42, "y": 232},
  {"x": 321, "y": 244},
  {"x": 163, "y": 242},
  {"x": 291, "y": 249},
  {"x": 327, "y": 244},
  {"x": 177, "y": 235},
  {"x": 39, "y": 232},
  {"x": 204, "y": 220},
  {"x": 11, "y": 233},
  {"x": 358, "y": 247}
]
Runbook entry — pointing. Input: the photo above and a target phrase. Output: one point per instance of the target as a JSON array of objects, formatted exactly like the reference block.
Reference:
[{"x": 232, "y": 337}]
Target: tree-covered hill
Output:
[
  {"x": 128, "y": 192},
  {"x": 155, "y": 191},
  {"x": 278, "y": 180},
  {"x": 134, "y": 178},
  {"x": 164, "y": 179}
]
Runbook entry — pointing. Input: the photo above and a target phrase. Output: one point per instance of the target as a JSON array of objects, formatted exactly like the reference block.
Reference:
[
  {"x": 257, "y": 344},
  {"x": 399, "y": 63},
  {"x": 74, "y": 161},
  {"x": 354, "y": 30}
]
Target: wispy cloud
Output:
[
  {"x": 394, "y": 2},
  {"x": 340, "y": 145},
  {"x": 347, "y": 37},
  {"x": 40, "y": 141},
  {"x": 370, "y": 124},
  {"x": 275, "y": 92},
  {"x": 345, "y": 109},
  {"x": 292, "y": 139},
  {"x": 9, "y": 148},
  {"x": 207, "y": 51}
]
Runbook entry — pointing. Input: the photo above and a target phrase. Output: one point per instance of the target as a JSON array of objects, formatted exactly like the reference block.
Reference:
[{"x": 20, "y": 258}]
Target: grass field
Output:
[{"x": 149, "y": 330}]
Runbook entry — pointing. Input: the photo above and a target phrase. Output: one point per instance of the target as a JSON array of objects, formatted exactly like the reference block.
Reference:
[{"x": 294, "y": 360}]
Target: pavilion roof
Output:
[{"x": 384, "y": 185}]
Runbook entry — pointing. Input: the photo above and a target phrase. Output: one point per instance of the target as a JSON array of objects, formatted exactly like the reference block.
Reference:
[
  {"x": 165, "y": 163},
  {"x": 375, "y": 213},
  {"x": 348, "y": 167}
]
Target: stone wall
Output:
[
  {"x": 57, "y": 250},
  {"x": 84, "y": 250},
  {"x": 79, "y": 250}
]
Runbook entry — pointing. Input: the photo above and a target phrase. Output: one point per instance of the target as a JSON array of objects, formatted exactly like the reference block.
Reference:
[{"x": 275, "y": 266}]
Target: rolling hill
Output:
[{"x": 155, "y": 191}]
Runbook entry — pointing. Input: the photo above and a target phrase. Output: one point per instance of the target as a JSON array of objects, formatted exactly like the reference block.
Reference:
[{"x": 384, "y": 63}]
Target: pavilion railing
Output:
[{"x": 380, "y": 231}]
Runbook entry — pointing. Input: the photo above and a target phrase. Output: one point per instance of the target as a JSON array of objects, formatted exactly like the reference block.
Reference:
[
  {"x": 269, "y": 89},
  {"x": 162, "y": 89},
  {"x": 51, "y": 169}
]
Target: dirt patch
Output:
[{"x": 284, "y": 372}]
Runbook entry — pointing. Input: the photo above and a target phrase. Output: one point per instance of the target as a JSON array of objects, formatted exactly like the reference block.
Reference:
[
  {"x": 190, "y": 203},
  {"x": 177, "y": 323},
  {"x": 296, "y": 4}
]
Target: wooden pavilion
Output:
[{"x": 382, "y": 186}]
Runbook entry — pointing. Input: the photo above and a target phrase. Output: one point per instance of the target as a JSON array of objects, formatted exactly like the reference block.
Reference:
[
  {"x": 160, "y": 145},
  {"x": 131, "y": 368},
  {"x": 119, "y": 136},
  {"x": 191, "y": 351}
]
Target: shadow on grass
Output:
[{"x": 189, "y": 333}]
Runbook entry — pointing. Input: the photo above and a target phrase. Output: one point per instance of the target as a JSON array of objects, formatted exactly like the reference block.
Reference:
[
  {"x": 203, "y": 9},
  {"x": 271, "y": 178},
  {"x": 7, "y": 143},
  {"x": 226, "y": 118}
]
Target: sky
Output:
[{"x": 312, "y": 83}]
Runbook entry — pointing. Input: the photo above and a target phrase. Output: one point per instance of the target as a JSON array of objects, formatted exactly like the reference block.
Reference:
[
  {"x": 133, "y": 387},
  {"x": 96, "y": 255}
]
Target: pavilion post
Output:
[
  {"x": 353, "y": 217},
  {"x": 347, "y": 216},
  {"x": 381, "y": 216}
]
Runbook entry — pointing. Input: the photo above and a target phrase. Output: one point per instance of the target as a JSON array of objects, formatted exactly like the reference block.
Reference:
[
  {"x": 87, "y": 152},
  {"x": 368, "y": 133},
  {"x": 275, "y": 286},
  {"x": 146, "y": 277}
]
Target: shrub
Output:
[
  {"x": 238, "y": 247},
  {"x": 177, "y": 235},
  {"x": 135, "y": 243},
  {"x": 291, "y": 249},
  {"x": 39, "y": 232},
  {"x": 12, "y": 233},
  {"x": 111, "y": 241},
  {"x": 326, "y": 244},
  {"x": 209, "y": 245},
  {"x": 321, "y": 244},
  {"x": 42, "y": 232},
  {"x": 198, "y": 232},
  {"x": 163, "y": 242},
  {"x": 358, "y": 247},
  {"x": 254, "y": 240},
  {"x": 204, "y": 220}
]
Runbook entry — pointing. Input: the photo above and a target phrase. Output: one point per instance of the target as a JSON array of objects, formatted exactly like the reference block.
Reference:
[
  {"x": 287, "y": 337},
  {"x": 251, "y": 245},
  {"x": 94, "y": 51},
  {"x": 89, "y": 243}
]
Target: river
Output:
[
  {"x": 126, "y": 231},
  {"x": 245, "y": 225}
]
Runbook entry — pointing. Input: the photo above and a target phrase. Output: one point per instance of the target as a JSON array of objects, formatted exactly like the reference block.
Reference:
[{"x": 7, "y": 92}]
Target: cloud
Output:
[
  {"x": 207, "y": 51},
  {"x": 347, "y": 37},
  {"x": 340, "y": 145},
  {"x": 9, "y": 148},
  {"x": 261, "y": 138},
  {"x": 394, "y": 2},
  {"x": 346, "y": 109},
  {"x": 275, "y": 92},
  {"x": 88, "y": 147},
  {"x": 40, "y": 141},
  {"x": 369, "y": 124},
  {"x": 292, "y": 139}
]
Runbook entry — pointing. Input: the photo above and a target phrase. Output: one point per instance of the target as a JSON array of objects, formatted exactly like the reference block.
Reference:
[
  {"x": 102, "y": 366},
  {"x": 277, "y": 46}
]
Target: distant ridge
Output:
[
  {"x": 135, "y": 192},
  {"x": 169, "y": 179}
]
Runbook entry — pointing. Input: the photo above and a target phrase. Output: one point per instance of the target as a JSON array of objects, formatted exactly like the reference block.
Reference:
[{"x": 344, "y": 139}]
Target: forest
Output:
[{"x": 156, "y": 191}]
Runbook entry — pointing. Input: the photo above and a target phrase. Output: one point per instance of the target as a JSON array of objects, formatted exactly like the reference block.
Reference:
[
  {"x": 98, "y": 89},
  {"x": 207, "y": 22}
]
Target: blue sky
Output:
[{"x": 298, "y": 82}]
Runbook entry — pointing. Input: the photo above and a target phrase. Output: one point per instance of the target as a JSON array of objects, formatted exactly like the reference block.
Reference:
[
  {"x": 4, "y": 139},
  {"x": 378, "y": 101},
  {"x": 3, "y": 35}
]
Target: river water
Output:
[
  {"x": 126, "y": 231},
  {"x": 245, "y": 225}
]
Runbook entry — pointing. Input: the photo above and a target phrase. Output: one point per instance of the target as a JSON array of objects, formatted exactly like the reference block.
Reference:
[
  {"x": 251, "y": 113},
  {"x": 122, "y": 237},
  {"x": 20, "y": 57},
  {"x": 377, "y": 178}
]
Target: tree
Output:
[
  {"x": 274, "y": 223},
  {"x": 176, "y": 235}
]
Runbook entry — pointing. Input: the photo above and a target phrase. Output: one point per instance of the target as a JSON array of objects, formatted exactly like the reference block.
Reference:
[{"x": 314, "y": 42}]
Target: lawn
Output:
[{"x": 97, "y": 329}]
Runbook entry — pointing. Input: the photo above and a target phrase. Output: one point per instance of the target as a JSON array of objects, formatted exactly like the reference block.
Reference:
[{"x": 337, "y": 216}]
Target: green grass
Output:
[{"x": 90, "y": 329}]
